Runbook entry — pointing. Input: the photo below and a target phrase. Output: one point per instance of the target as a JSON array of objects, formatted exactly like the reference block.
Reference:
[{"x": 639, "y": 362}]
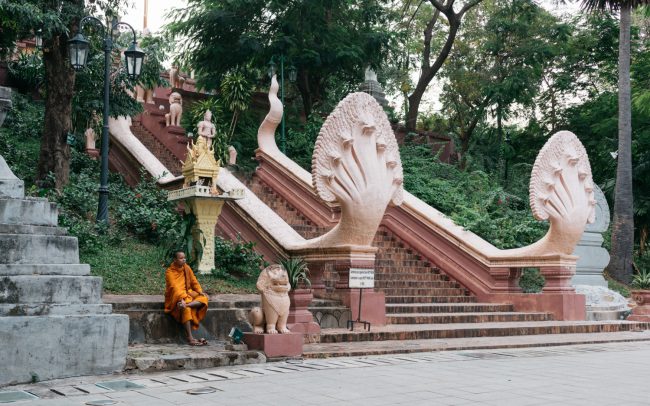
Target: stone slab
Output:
[
  {"x": 52, "y": 289},
  {"x": 38, "y": 249},
  {"x": 37, "y": 212},
  {"x": 27, "y": 229},
  {"x": 275, "y": 345},
  {"x": 45, "y": 269},
  {"x": 49, "y": 309},
  {"x": 51, "y": 347}
]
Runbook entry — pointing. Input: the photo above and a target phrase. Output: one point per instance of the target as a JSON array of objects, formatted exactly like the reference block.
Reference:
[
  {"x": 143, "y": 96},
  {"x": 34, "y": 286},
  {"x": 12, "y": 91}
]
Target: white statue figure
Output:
[
  {"x": 232, "y": 155},
  {"x": 175, "y": 110},
  {"x": 91, "y": 138},
  {"x": 273, "y": 285},
  {"x": 206, "y": 130},
  {"x": 175, "y": 78}
]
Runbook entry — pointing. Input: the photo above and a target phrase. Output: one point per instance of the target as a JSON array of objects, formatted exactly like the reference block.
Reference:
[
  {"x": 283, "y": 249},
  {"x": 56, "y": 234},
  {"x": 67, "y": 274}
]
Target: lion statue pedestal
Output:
[{"x": 270, "y": 333}]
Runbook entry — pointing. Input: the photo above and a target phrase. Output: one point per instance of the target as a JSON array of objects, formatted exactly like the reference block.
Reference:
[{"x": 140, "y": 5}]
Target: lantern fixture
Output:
[
  {"x": 38, "y": 38},
  {"x": 271, "y": 70},
  {"x": 79, "y": 47},
  {"x": 133, "y": 59}
]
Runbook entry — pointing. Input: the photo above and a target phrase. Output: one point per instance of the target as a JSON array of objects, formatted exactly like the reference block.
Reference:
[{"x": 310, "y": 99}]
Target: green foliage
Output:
[
  {"x": 236, "y": 259},
  {"x": 297, "y": 271},
  {"x": 531, "y": 281},
  {"x": 20, "y": 137},
  {"x": 157, "y": 48},
  {"x": 471, "y": 199},
  {"x": 27, "y": 72},
  {"x": 300, "y": 143},
  {"x": 321, "y": 39},
  {"x": 641, "y": 280},
  {"x": 186, "y": 241}
]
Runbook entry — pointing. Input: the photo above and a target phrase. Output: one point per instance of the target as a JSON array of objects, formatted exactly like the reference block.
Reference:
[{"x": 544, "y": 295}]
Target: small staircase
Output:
[{"x": 164, "y": 155}]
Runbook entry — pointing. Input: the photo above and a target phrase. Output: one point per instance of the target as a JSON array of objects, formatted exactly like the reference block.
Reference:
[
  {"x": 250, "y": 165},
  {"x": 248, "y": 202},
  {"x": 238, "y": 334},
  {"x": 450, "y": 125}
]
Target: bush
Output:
[
  {"x": 236, "y": 259},
  {"x": 300, "y": 143},
  {"x": 531, "y": 281}
]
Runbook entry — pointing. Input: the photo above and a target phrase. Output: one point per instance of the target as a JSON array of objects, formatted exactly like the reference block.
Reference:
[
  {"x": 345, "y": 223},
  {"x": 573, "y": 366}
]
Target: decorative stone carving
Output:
[
  {"x": 593, "y": 258},
  {"x": 373, "y": 88},
  {"x": 561, "y": 191},
  {"x": 200, "y": 165},
  {"x": 232, "y": 155},
  {"x": 356, "y": 162},
  {"x": 91, "y": 138},
  {"x": 273, "y": 285},
  {"x": 175, "y": 78},
  {"x": 175, "y": 110}
]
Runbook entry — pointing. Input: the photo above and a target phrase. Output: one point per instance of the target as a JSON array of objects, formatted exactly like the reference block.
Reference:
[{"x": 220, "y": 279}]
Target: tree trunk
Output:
[
  {"x": 620, "y": 265},
  {"x": 59, "y": 78}
]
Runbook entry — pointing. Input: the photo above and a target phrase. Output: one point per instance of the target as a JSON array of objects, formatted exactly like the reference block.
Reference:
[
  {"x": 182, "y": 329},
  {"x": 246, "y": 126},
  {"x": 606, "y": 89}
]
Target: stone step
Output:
[
  {"x": 51, "y": 347},
  {"x": 449, "y": 318},
  {"x": 448, "y": 308},
  {"x": 416, "y": 284},
  {"x": 30, "y": 211},
  {"x": 424, "y": 291},
  {"x": 33, "y": 289},
  {"x": 466, "y": 330},
  {"x": 38, "y": 249},
  {"x": 27, "y": 229},
  {"x": 430, "y": 299},
  {"x": 362, "y": 348},
  {"x": 410, "y": 277},
  {"x": 49, "y": 309},
  {"x": 45, "y": 269}
]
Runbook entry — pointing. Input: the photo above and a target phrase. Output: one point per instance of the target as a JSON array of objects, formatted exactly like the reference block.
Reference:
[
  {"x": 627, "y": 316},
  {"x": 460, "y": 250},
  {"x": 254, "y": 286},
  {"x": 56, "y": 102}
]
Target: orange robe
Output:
[{"x": 182, "y": 285}]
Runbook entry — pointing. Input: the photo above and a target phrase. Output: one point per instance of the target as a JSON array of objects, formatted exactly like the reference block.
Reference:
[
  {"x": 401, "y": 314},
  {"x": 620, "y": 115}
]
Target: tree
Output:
[
  {"x": 321, "y": 39},
  {"x": 56, "y": 20},
  {"x": 501, "y": 55},
  {"x": 428, "y": 70},
  {"x": 622, "y": 251}
]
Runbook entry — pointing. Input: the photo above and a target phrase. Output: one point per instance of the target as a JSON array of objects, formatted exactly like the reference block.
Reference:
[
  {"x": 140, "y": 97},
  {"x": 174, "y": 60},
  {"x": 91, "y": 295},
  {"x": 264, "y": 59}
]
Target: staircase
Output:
[{"x": 157, "y": 148}]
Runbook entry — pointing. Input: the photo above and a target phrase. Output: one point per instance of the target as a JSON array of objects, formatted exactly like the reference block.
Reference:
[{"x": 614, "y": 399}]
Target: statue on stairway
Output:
[
  {"x": 206, "y": 131},
  {"x": 273, "y": 285},
  {"x": 175, "y": 110}
]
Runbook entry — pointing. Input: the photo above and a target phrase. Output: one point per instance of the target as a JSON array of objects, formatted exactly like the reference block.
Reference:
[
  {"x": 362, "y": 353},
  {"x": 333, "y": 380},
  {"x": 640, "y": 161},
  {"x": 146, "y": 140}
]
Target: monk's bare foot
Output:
[{"x": 197, "y": 343}]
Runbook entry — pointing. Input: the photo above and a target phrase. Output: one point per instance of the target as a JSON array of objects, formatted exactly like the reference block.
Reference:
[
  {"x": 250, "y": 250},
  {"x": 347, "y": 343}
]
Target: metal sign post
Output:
[{"x": 361, "y": 278}]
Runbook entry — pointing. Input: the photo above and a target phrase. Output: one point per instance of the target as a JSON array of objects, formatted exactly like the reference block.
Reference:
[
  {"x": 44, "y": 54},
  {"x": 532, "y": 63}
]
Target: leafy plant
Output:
[
  {"x": 236, "y": 259},
  {"x": 297, "y": 271},
  {"x": 190, "y": 240},
  {"x": 531, "y": 281},
  {"x": 27, "y": 72},
  {"x": 641, "y": 280}
]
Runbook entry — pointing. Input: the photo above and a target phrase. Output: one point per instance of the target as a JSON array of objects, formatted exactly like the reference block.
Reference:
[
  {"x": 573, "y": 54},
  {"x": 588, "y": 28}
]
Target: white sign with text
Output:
[{"x": 362, "y": 278}]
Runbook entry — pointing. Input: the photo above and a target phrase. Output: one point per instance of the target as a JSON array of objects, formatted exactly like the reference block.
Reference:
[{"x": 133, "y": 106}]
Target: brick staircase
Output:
[{"x": 157, "y": 148}]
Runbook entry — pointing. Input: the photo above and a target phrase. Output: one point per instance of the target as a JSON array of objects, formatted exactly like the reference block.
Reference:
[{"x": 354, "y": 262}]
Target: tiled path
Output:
[{"x": 604, "y": 374}]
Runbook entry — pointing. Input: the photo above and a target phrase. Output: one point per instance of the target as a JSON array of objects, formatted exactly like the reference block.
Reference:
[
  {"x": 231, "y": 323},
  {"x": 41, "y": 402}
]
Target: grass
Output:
[
  {"x": 616, "y": 286},
  {"x": 134, "y": 267}
]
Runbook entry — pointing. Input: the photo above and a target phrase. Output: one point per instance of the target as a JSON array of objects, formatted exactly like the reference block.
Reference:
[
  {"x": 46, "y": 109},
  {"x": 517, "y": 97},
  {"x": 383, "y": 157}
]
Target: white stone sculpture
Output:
[
  {"x": 232, "y": 155},
  {"x": 356, "y": 163},
  {"x": 175, "y": 110},
  {"x": 273, "y": 285},
  {"x": 562, "y": 192},
  {"x": 91, "y": 138},
  {"x": 175, "y": 78}
]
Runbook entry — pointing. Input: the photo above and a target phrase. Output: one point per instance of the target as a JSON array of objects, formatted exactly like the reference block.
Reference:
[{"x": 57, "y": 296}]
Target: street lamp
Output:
[
  {"x": 293, "y": 73},
  {"x": 79, "y": 48},
  {"x": 38, "y": 39}
]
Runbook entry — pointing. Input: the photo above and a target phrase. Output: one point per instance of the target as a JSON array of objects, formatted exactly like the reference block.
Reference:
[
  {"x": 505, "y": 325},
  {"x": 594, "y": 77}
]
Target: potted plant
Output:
[
  {"x": 300, "y": 319},
  {"x": 641, "y": 295}
]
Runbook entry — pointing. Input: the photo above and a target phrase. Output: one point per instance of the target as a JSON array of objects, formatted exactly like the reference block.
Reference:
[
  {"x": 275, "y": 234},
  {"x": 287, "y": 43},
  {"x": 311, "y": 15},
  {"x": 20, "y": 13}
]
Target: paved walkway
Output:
[{"x": 602, "y": 374}]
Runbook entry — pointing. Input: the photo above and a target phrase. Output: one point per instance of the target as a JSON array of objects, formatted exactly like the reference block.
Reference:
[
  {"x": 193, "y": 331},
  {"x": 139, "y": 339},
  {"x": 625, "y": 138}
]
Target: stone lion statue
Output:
[
  {"x": 175, "y": 110},
  {"x": 273, "y": 285}
]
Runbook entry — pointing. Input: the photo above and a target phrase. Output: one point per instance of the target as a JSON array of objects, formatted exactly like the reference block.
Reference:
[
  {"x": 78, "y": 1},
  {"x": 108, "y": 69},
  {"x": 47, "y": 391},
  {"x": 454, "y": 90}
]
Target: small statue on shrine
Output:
[
  {"x": 206, "y": 131},
  {"x": 91, "y": 137}
]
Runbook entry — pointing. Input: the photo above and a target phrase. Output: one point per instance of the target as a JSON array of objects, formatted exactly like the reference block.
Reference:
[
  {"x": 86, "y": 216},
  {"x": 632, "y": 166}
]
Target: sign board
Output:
[{"x": 362, "y": 278}]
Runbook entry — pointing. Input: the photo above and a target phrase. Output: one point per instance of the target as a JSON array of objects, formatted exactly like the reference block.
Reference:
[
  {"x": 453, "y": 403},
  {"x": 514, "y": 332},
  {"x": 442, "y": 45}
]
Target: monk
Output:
[{"x": 184, "y": 298}]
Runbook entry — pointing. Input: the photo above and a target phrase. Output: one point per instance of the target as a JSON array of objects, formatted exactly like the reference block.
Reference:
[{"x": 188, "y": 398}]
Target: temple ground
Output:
[{"x": 602, "y": 374}]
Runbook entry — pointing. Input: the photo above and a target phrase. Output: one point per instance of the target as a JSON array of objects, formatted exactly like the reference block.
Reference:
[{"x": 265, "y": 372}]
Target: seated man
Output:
[{"x": 184, "y": 298}]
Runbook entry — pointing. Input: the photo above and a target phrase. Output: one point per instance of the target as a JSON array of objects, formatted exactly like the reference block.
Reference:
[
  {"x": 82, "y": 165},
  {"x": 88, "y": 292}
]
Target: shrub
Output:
[
  {"x": 297, "y": 271},
  {"x": 531, "y": 281},
  {"x": 236, "y": 259}
]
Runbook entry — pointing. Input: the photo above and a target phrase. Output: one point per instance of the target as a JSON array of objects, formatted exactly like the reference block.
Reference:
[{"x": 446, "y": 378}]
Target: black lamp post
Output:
[
  {"x": 38, "y": 39},
  {"x": 508, "y": 141},
  {"x": 79, "y": 49},
  {"x": 293, "y": 73}
]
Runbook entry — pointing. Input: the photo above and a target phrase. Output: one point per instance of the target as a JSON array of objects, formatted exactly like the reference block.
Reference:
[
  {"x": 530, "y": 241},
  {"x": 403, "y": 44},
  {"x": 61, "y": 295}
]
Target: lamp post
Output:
[
  {"x": 293, "y": 73},
  {"x": 79, "y": 49},
  {"x": 507, "y": 140}
]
